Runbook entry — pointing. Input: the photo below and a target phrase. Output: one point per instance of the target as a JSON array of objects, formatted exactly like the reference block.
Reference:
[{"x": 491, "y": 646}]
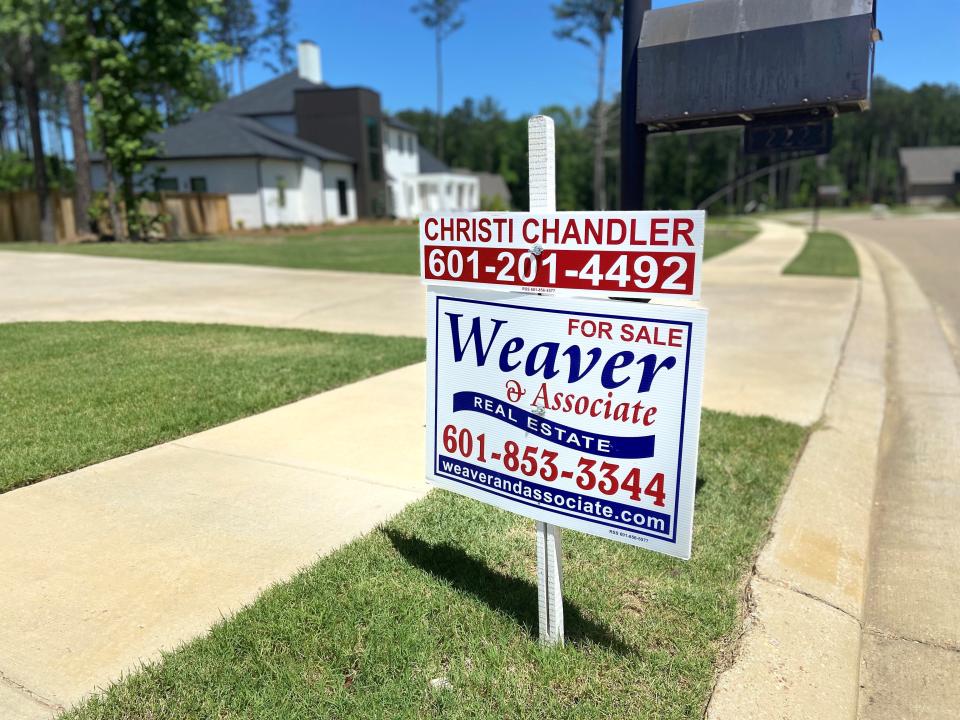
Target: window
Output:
[
  {"x": 374, "y": 149},
  {"x": 374, "y": 166},
  {"x": 373, "y": 131},
  {"x": 198, "y": 184},
  {"x": 342, "y": 197},
  {"x": 168, "y": 184},
  {"x": 956, "y": 178}
]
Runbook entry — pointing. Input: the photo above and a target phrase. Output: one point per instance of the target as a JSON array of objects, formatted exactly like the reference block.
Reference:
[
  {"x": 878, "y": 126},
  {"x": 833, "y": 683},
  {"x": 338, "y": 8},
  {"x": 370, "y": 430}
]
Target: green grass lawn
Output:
[
  {"x": 825, "y": 253},
  {"x": 360, "y": 248},
  {"x": 448, "y": 590},
  {"x": 78, "y": 393},
  {"x": 724, "y": 235},
  {"x": 355, "y": 248}
]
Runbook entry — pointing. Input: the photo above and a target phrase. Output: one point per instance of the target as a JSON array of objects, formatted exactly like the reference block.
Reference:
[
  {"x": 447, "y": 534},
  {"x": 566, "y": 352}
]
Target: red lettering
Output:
[
  {"x": 527, "y": 222},
  {"x": 593, "y": 230},
  {"x": 572, "y": 232},
  {"x": 463, "y": 229},
  {"x": 687, "y": 226},
  {"x": 551, "y": 230},
  {"x": 446, "y": 228},
  {"x": 426, "y": 228},
  {"x": 656, "y": 230}
]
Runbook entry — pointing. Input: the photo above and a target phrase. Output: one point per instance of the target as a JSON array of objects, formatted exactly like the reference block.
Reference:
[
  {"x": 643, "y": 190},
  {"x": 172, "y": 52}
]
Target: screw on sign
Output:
[{"x": 574, "y": 411}]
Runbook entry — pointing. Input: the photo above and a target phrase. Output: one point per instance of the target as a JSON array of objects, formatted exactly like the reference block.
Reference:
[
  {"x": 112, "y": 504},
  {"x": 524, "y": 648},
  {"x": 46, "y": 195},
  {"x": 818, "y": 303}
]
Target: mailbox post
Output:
[{"x": 633, "y": 135}]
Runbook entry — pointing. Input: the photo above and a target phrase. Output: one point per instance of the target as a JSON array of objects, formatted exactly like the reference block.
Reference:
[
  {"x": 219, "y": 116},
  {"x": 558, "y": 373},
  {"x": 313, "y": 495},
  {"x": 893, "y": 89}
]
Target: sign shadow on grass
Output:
[{"x": 505, "y": 594}]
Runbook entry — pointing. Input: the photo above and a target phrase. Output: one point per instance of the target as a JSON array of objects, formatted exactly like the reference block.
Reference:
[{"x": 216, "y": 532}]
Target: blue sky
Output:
[{"x": 506, "y": 49}]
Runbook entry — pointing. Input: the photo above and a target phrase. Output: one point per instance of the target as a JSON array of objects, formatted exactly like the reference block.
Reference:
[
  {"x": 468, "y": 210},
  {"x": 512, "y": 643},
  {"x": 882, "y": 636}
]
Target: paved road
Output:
[
  {"x": 929, "y": 245},
  {"x": 910, "y": 655},
  {"x": 911, "y": 637}
]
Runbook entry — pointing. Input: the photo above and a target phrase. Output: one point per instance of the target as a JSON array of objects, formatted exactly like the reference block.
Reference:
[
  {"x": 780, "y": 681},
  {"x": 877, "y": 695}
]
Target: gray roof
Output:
[
  {"x": 931, "y": 165},
  {"x": 429, "y": 163},
  {"x": 396, "y": 122},
  {"x": 218, "y": 135},
  {"x": 293, "y": 142},
  {"x": 493, "y": 185},
  {"x": 273, "y": 97}
]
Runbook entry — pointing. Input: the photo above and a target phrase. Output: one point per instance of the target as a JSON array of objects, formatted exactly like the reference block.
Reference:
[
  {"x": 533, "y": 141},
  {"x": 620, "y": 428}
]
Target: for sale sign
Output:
[
  {"x": 627, "y": 254},
  {"x": 581, "y": 413}
]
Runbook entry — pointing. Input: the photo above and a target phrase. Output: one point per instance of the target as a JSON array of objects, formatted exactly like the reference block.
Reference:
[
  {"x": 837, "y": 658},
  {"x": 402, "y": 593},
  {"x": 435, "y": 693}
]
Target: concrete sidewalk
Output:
[
  {"x": 773, "y": 340},
  {"x": 103, "y": 567},
  {"x": 52, "y": 286}
]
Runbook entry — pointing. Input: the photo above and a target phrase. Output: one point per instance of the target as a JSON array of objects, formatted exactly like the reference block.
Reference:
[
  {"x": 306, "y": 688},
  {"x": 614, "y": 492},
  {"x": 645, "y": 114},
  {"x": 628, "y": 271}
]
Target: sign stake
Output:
[{"x": 543, "y": 198}]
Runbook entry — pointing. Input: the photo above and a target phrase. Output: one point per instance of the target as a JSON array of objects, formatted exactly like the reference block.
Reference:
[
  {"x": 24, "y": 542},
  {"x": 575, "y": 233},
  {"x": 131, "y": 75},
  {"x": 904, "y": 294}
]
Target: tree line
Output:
[
  {"x": 683, "y": 170},
  {"x": 111, "y": 74}
]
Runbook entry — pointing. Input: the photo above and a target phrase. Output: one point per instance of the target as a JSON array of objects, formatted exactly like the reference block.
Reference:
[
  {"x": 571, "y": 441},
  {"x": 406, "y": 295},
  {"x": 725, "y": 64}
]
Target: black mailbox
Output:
[{"x": 727, "y": 62}]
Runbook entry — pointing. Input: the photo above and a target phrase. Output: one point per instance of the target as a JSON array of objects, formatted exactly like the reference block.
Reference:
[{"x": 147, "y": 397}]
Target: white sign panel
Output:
[
  {"x": 580, "y": 413},
  {"x": 625, "y": 254}
]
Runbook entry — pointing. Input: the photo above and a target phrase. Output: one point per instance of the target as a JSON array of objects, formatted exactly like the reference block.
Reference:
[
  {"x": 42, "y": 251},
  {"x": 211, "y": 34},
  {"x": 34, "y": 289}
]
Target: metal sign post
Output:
[
  {"x": 633, "y": 135},
  {"x": 543, "y": 198}
]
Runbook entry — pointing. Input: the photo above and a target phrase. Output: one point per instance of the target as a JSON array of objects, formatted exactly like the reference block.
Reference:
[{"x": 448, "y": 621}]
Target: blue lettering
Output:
[
  {"x": 549, "y": 363},
  {"x": 509, "y": 347},
  {"x": 542, "y": 359},
  {"x": 459, "y": 349},
  {"x": 650, "y": 369},
  {"x": 617, "y": 361}
]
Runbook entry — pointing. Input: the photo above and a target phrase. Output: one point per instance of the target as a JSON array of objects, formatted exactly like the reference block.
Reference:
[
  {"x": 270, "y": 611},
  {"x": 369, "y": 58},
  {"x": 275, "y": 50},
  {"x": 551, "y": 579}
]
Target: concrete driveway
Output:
[{"x": 53, "y": 286}]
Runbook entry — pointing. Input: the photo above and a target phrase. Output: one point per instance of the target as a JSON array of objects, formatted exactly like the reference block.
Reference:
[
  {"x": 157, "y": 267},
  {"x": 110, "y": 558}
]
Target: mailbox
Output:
[{"x": 730, "y": 62}]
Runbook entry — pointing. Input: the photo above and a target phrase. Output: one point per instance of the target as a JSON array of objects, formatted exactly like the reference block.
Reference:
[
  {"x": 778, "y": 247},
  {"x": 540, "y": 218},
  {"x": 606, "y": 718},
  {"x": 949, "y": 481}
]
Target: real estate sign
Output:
[
  {"x": 625, "y": 254},
  {"x": 582, "y": 413}
]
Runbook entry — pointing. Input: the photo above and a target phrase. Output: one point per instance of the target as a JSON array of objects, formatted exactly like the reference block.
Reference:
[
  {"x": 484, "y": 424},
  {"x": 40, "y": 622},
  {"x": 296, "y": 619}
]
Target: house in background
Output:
[
  {"x": 295, "y": 150},
  {"x": 931, "y": 175},
  {"x": 494, "y": 193}
]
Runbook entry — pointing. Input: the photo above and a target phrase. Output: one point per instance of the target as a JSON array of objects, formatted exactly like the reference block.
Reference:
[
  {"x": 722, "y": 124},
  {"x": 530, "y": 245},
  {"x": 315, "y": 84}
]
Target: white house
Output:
[
  {"x": 270, "y": 178},
  {"x": 417, "y": 181},
  {"x": 296, "y": 151}
]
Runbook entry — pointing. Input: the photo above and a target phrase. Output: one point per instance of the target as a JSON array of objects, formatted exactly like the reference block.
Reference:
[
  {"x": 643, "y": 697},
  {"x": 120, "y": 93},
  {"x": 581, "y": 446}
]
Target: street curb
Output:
[{"x": 799, "y": 653}]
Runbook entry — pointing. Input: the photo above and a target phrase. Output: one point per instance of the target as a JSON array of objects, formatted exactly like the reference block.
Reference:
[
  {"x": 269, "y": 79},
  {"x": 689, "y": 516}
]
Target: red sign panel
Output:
[{"x": 638, "y": 254}]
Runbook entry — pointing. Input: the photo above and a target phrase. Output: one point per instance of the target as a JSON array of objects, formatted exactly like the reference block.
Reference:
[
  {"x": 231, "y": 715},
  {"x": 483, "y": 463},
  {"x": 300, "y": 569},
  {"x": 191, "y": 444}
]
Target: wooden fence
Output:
[
  {"x": 20, "y": 217},
  {"x": 186, "y": 214}
]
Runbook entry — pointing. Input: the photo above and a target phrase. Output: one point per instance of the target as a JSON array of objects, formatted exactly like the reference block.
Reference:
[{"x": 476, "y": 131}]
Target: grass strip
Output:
[
  {"x": 353, "y": 248},
  {"x": 826, "y": 254},
  {"x": 447, "y": 592},
  {"x": 724, "y": 235},
  {"x": 79, "y": 393}
]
